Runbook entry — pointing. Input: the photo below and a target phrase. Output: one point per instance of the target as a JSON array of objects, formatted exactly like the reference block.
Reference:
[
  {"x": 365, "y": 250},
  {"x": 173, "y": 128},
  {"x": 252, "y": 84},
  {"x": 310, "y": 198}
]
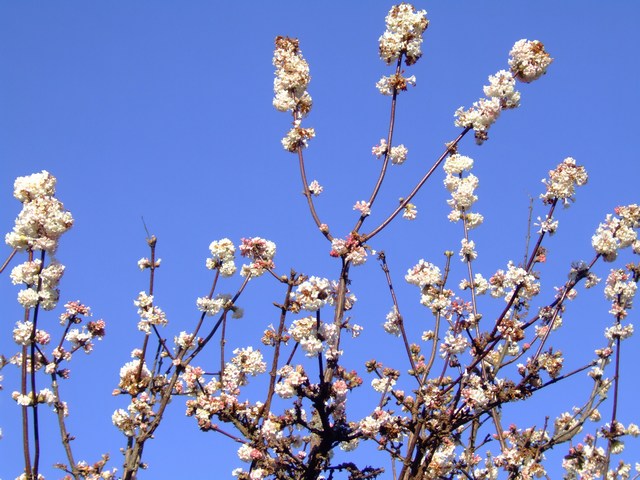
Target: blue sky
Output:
[{"x": 163, "y": 110}]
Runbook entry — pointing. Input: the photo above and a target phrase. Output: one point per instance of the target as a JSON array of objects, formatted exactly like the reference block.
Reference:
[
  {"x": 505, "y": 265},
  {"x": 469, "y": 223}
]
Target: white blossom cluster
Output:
[
  {"x": 620, "y": 290},
  {"x": 423, "y": 274},
  {"x": 292, "y": 78},
  {"x": 149, "y": 313},
  {"x": 528, "y": 62},
  {"x": 504, "y": 284},
  {"x": 563, "y": 181},
  {"x": 43, "y": 218},
  {"x": 403, "y": 36},
  {"x": 42, "y": 283},
  {"x": 462, "y": 190},
  {"x": 619, "y": 232},
  {"x": 212, "y": 306},
  {"x": 396, "y": 83},
  {"x": 290, "y": 88},
  {"x": 315, "y": 188},
  {"x": 222, "y": 257},
  {"x": 397, "y": 154},
  {"x": 392, "y": 324},
  {"x": 428, "y": 278},
  {"x": 292, "y": 378},
  {"x": 312, "y": 294},
  {"x": 314, "y": 337}
]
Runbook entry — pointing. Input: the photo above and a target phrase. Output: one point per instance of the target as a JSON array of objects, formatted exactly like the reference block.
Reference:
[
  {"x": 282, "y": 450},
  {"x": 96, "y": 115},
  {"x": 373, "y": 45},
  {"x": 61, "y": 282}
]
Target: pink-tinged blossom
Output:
[
  {"x": 562, "y": 182},
  {"x": 350, "y": 248},
  {"x": 261, "y": 252},
  {"x": 80, "y": 339},
  {"x": 74, "y": 310},
  {"x": 585, "y": 460},
  {"x": 369, "y": 426},
  {"x": 403, "y": 36},
  {"x": 529, "y": 60},
  {"x": 363, "y": 207},
  {"x": 315, "y": 188}
]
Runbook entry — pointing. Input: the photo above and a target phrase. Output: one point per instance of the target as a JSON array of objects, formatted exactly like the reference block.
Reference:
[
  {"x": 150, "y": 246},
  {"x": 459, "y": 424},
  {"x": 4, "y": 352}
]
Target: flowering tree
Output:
[{"x": 438, "y": 411}]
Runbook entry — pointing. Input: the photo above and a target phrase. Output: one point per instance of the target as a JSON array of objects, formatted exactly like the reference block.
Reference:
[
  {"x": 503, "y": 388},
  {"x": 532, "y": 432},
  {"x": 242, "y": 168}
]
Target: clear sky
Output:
[{"x": 162, "y": 109}]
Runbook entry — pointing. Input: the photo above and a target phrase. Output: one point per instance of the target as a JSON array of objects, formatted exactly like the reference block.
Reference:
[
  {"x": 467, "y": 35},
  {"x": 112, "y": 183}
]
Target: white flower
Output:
[
  {"x": 529, "y": 60},
  {"x": 403, "y": 35}
]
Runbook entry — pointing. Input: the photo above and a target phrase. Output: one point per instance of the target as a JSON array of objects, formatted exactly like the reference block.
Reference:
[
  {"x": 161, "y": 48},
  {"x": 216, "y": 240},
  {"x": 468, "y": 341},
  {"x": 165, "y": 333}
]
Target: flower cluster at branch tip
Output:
[
  {"x": 261, "y": 252},
  {"x": 619, "y": 232},
  {"x": 43, "y": 218},
  {"x": 222, "y": 257},
  {"x": 290, "y": 87},
  {"x": 363, "y": 207},
  {"x": 562, "y": 182},
  {"x": 528, "y": 62},
  {"x": 403, "y": 36}
]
